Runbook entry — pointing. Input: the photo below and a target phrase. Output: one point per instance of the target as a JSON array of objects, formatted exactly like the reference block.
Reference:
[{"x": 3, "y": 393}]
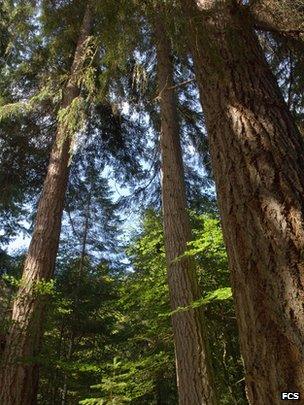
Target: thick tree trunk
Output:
[
  {"x": 257, "y": 157},
  {"x": 19, "y": 379},
  {"x": 194, "y": 378}
]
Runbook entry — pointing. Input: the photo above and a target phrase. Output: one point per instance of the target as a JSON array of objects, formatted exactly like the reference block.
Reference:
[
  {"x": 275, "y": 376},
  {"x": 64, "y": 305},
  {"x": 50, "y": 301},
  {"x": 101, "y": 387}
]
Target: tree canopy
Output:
[{"x": 83, "y": 129}]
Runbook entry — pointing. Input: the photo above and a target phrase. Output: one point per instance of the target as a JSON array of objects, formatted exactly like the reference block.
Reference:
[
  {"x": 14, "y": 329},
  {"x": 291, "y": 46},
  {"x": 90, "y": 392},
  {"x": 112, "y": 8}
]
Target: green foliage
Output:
[
  {"x": 108, "y": 334},
  {"x": 79, "y": 325},
  {"x": 43, "y": 287},
  {"x": 217, "y": 295},
  {"x": 11, "y": 280},
  {"x": 145, "y": 372},
  {"x": 72, "y": 118},
  {"x": 39, "y": 287},
  {"x": 19, "y": 108}
]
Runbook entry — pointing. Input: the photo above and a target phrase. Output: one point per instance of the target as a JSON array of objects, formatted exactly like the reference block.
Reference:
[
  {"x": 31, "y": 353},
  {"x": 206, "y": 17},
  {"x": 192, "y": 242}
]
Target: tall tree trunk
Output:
[
  {"x": 194, "y": 377},
  {"x": 257, "y": 158},
  {"x": 64, "y": 395},
  {"x": 75, "y": 315},
  {"x": 19, "y": 380}
]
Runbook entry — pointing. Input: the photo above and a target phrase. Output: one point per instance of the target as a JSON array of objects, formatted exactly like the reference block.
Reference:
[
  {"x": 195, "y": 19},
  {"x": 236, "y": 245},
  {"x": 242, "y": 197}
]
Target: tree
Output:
[
  {"x": 79, "y": 328},
  {"x": 194, "y": 376},
  {"x": 142, "y": 345},
  {"x": 20, "y": 369},
  {"x": 25, "y": 140},
  {"x": 88, "y": 243},
  {"x": 257, "y": 160},
  {"x": 282, "y": 17}
]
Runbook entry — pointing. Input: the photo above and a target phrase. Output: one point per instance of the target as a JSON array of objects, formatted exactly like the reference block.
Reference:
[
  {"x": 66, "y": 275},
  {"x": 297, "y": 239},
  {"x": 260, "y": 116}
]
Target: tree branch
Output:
[{"x": 284, "y": 17}]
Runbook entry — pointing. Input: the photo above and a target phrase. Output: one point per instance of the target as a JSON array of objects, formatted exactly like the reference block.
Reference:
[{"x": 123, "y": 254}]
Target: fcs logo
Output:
[{"x": 290, "y": 395}]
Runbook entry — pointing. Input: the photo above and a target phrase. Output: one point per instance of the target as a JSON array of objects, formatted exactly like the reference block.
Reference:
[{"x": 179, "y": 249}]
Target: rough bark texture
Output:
[
  {"x": 194, "y": 378},
  {"x": 19, "y": 379},
  {"x": 257, "y": 158},
  {"x": 285, "y": 17}
]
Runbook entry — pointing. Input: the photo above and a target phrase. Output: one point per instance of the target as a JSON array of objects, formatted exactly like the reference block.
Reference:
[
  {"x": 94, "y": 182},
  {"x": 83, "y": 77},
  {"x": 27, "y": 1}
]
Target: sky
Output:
[{"x": 130, "y": 224}]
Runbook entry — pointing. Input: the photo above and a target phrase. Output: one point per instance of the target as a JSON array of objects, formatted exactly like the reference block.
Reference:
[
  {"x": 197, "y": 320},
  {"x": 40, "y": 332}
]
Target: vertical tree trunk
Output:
[
  {"x": 64, "y": 395},
  {"x": 194, "y": 377},
  {"x": 75, "y": 315},
  {"x": 257, "y": 157},
  {"x": 53, "y": 382},
  {"x": 19, "y": 380}
]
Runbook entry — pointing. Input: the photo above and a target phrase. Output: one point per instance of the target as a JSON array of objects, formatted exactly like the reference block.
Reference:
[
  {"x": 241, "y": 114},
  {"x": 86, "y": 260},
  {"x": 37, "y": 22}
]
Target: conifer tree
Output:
[
  {"x": 20, "y": 369},
  {"x": 104, "y": 318},
  {"x": 283, "y": 17},
  {"x": 194, "y": 375},
  {"x": 257, "y": 159}
]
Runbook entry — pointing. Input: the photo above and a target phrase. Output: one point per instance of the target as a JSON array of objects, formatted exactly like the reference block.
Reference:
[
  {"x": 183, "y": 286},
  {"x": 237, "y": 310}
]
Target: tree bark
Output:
[
  {"x": 20, "y": 369},
  {"x": 258, "y": 165},
  {"x": 284, "y": 17},
  {"x": 194, "y": 376}
]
